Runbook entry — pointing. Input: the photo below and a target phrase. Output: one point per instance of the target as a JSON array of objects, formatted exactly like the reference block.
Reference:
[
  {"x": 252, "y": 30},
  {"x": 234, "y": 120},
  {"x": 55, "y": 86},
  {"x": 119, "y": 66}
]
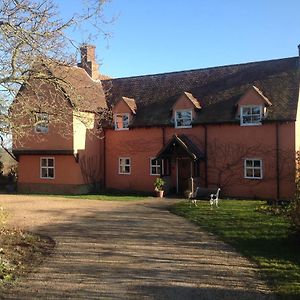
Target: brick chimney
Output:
[{"x": 88, "y": 60}]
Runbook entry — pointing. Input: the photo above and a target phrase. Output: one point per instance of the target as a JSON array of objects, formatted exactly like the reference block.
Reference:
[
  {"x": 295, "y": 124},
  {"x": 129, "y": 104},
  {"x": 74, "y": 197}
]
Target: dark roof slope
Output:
[
  {"x": 82, "y": 90},
  {"x": 218, "y": 89}
]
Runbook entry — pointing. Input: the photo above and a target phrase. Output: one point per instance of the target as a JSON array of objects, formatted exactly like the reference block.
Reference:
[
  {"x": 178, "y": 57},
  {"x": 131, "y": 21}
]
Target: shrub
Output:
[{"x": 158, "y": 184}]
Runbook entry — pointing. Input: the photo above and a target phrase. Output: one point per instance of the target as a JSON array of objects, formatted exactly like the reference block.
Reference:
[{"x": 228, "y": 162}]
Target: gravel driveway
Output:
[{"x": 127, "y": 250}]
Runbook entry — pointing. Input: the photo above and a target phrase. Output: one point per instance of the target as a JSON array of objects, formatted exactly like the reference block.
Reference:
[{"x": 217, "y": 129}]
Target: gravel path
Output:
[{"x": 127, "y": 250}]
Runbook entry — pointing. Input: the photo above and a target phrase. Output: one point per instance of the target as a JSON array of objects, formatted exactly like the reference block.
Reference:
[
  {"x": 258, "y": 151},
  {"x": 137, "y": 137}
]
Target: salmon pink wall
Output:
[
  {"x": 59, "y": 136},
  {"x": 67, "y": 171},
  {"x": 297, "y": 128},
  {"x": 134, "y": 144},
  {"x": 121, "y": 107},
  {"x": 228, "y": 145}
]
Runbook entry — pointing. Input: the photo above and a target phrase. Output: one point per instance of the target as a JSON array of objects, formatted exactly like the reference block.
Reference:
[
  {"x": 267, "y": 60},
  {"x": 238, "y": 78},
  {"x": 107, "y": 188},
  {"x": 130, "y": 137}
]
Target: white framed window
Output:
[
  {"x": 41, "y": 122},
  {"x": 122, "y": 121},
  {"x": 183, "y": 118},
  {"x": 251, "y": 115},
  {"x": 47, "y": 167},
  {"x": 253, "y": 168},
  {"x": 154, "y": 166},
  {"x": 125, "y": 165}
]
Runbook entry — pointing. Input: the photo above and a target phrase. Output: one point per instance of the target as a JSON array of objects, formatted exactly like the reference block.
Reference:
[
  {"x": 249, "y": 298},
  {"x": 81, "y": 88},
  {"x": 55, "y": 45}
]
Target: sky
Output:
[{"x": 158, "y": 36}]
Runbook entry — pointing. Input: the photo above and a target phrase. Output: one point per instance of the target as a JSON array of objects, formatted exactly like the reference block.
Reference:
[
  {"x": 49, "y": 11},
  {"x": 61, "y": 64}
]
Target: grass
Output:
[
  {"x": 264, "y": 238},
  {"x": 115, "y": 196}
]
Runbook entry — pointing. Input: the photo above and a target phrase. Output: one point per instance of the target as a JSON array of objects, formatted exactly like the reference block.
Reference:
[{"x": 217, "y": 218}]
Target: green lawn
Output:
[
  {"x": 267, "y": 239},
  {"x": 104, "y": 197}
]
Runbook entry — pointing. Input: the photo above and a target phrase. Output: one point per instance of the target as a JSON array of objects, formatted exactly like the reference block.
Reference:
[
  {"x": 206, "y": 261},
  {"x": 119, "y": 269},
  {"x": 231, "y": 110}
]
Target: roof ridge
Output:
[{"x": 201, "y": 69}]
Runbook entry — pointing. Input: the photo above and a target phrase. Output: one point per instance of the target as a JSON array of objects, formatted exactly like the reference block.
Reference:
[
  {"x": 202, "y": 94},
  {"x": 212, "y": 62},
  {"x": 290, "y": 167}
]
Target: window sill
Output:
[
  {"x": 251, "y": 124},
  {"x": 179, "y": 127},
  {"x": 121, "y": 129}
]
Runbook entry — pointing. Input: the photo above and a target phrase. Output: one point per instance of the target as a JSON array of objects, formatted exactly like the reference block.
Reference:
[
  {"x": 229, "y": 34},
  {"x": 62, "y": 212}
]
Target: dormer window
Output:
[
  {"x": 251, "y": 115},
  {"x": 122, "y": 121},
  {"x": 183, "y": 118},
  {"x": 41, "y": 122}
]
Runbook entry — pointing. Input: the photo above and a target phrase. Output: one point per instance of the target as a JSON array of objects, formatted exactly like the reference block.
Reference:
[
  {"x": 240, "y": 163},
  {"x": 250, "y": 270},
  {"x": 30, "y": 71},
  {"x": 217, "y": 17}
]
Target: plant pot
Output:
[{"x": 160, "y": 194}]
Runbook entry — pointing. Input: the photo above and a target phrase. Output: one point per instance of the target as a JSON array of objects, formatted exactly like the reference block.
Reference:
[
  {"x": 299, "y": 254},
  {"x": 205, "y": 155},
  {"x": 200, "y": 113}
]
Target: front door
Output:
[{"x": 183, "y": 174}]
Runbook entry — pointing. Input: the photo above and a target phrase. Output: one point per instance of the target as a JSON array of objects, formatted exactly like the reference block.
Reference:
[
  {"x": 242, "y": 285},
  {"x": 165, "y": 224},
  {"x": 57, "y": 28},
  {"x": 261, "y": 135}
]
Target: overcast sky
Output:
[{"x": 157, "y": 36}]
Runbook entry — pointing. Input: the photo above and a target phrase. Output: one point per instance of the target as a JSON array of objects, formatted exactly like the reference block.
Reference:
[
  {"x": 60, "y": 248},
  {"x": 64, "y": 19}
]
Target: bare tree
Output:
[
  {"x": 34, "y": 57},
  {"x": 226, "y": 163}
]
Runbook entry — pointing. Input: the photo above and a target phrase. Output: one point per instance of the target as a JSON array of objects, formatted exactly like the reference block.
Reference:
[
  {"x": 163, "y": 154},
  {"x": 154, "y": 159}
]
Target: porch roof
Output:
[{"x": 183, "y": 143}]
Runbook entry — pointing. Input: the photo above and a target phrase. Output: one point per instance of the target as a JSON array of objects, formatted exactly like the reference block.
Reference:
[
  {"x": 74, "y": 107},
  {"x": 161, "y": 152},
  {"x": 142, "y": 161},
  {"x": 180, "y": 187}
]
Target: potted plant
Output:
[{"x": 158, "y": 187}]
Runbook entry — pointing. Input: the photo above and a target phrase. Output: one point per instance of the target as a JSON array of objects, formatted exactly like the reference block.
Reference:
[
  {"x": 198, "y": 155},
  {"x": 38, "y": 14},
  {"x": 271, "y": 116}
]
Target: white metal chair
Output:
[
  {"x": 214, "y": 198},
  {"x": 192, "y": 197}
]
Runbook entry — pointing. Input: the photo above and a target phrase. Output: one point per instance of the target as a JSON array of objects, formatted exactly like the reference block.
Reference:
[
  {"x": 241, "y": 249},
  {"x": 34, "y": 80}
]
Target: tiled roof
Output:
[
  {"x": 82, "y": 90},
  {"x": 218, "y": 88},
  {"x": 183, "y": 143}
]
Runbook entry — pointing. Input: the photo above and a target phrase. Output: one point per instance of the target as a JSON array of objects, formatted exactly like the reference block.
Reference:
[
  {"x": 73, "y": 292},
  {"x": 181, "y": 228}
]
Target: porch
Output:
[{"x": 180, "y": 162}]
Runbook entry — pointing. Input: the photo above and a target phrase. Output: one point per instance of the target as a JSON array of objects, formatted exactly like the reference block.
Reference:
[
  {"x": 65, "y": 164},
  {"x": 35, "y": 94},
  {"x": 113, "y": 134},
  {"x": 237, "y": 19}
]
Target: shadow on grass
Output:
[{"x": 266, "y": 239}]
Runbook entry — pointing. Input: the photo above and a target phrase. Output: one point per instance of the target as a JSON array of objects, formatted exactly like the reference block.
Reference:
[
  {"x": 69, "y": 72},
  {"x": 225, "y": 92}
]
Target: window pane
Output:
[
  {"x": 247, "y": 119},
  {"x": 183, "y": 118},
  {"x": 256, "y": 163},
  {"x": 44, "y": 172},
  {"x": 256, "y": 173},
  {"x": 51, "y": 173},
  {"x": 127, "y": 169},
  {"x": 249, "y": 163},
  {"x": 42, "y": 120},
  {"x": 256, "y": 119},
  {"x": 256, "y": 110},
  {"x": 119, "y": 121},
  {"x": 50, "y": 162},
  {"x": 125, "y": 121},
  {"x": 187, "y": 114},
  {"x": 246, "y": 110},
  {"x": 178, "y": 114},
  {"x": 249, "y": 173}
]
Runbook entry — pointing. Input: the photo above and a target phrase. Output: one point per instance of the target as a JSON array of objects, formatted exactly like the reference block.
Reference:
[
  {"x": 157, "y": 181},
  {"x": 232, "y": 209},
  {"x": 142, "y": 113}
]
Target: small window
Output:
[
  {"x": 183, "y": 118},
  {"x": 41, "y": 122},
  {"x": 124, "y": 165},
  {"x": 251, "y": 115},
  {"x": 154, "y": 167},
  {"x": 121, "y": 121},
  {"x": 253, "y": 168},
  {"x": 47, "y": 167}
]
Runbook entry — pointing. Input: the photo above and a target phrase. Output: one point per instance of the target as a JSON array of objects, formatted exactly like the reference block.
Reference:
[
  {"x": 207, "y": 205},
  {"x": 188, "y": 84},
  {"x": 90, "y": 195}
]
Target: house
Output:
[{"x": 233, "y": 127}]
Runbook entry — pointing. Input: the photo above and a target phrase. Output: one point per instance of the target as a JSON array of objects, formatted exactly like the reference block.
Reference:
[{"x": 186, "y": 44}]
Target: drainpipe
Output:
[
  {"x": 104, "y": 159},
  {"x": 205, "y": 157},
  {"x": 277, "y": 164},
  {"x": 163, "y": 135}
]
